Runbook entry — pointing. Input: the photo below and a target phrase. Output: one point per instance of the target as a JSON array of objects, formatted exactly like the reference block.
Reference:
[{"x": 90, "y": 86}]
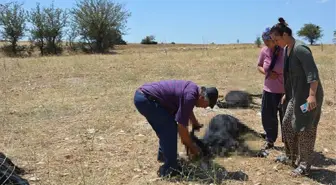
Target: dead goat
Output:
[
  {"x": 10, "y": 173},
  {"x": 237, "y": 99}
]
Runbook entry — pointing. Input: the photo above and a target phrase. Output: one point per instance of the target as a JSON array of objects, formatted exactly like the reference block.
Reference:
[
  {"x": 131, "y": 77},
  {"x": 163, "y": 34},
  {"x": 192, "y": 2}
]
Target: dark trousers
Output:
[
  {"x": 269, "y": 114},
  {"x": 165, "y": 127}
]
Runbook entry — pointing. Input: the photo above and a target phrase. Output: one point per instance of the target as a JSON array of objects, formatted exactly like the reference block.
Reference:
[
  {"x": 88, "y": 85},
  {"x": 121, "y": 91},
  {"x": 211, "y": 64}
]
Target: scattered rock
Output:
[
  {"x": 258, "y": 183},
  {"x": 13, "y": 112},
  {"x": 154, "y": 180},
  {"x": 40, "y": 163},
  {"x": 325, "y": 150},
  {"x": 65, "y": 174},
  {"x": 137, "y": 170},
  {"x": 136, "y": 176},
  {"x": 276, "y": 167},
  {"x": 34, "y": 179},
  {"x": 91, "y": 130},
  {"x": 69, "y": 156}
]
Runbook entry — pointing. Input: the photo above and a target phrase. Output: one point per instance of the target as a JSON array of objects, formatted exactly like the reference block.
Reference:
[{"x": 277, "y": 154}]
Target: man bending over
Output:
[{"x": 168, "y": 106}]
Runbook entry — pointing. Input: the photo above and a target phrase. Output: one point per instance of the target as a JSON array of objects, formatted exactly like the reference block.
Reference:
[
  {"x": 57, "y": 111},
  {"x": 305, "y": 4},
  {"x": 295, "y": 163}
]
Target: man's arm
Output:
[
  {"x": 186, "y": 140},
  {"x": 194, "y": 121}
]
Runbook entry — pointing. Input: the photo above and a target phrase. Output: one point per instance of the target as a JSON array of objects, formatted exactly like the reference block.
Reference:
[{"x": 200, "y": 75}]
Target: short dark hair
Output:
[
  {"x": 281, "y": 28},
  {"x": 210, "y": 94}
]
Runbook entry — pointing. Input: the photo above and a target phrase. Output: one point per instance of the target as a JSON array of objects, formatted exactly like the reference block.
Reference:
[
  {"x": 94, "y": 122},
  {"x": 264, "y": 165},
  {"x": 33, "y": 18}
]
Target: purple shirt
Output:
[
  {"x": 265, "y": 58},
  {"x": 178, "y": 96}
]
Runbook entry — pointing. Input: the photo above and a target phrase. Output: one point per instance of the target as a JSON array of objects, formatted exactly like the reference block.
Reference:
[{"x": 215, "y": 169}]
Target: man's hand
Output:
[{"x": 186, "y": 140}]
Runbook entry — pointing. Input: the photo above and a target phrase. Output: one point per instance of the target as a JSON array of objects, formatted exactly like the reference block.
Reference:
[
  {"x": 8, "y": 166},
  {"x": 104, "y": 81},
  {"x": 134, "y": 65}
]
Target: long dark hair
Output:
[
  {"x": 281, "y": 28},
  {"x": 275, "y": 55}
]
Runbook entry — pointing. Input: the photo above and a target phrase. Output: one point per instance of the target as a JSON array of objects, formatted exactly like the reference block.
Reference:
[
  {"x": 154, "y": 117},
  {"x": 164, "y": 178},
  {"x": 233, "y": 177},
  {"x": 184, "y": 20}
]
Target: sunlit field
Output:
[{"x": 70, "y": 119}]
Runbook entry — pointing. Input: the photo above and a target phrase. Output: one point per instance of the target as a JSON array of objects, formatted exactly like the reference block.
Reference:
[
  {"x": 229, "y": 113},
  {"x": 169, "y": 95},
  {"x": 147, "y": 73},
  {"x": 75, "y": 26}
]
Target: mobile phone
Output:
[{"x": 304, "y": 107}]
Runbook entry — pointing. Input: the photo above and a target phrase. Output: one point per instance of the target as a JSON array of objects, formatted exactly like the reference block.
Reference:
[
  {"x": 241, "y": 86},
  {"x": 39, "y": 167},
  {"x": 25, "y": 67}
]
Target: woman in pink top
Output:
[{"x": 271, "y": 61}]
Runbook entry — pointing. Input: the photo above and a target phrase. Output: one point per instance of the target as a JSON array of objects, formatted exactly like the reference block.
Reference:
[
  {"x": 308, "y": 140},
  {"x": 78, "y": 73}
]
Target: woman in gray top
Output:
[{"x": 302, "y": 101}]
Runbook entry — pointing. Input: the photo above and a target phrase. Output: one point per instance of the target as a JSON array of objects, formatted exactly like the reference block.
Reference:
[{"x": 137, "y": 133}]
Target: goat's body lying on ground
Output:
[
  {"x": 222, "y": 136},
  {"x": 9, "y": 172},
  {"x": 237, "y": 99}
]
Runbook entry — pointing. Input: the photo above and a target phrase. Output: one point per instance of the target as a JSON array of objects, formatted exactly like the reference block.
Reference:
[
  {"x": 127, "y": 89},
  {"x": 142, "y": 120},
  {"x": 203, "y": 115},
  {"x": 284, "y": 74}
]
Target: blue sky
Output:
[{"x": 218, "y": 21}]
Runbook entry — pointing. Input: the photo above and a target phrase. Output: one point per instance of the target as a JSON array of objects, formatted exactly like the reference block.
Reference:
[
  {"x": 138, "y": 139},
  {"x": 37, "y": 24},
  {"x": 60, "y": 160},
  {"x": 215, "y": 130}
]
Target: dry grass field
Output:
[{"x": 70, "y": 119}]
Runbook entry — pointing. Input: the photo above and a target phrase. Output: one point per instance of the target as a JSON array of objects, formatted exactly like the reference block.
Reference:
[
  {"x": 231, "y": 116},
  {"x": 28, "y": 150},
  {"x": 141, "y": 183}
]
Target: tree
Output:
[
  {"x": 47, "y": 31},
  {"x": 99, "y": 23},
  {"x": 13, "y": 22},
  {"x": 56, "y": 20},
  {"x": 4, "y": 6},
  {"x": 72, "y": 35},
  {"x": 334, "y": 39},
  {"x": 38, "y": 30},
  {"x": 258, "y": 41},
  {"x": 118, "y": 39},
  {"x": 149, "y": 40},
  {"x": 310, "y": 32}
]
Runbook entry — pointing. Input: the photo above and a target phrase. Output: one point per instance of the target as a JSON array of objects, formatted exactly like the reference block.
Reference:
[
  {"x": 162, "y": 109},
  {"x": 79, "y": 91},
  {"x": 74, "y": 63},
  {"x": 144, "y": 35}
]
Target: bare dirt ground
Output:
[{"x": 71, "y": 119}]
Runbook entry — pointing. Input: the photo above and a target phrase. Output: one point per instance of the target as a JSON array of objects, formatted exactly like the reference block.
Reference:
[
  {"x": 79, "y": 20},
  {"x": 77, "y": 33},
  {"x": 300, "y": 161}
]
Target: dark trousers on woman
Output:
[
  {"x": 269, "y": 115},
  {"x": 165, "y": 127}
]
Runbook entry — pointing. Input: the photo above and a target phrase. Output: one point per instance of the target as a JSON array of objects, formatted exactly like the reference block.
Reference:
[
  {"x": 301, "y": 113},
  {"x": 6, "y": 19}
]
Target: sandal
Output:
[
  {"x": 282, "y": 159},
  {"x": 285, "y": 160},
  {"x": 262, "y": 153},
  {"x": 299, "y": 171}
]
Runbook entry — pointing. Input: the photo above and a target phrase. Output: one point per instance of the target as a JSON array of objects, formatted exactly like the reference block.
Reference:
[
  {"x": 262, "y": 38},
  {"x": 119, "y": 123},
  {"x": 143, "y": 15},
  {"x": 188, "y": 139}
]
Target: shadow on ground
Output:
[
  {"x": 214, "y": 173},
  {"x": 320, "y": 160},
  {"x": 323, "y": 176}
]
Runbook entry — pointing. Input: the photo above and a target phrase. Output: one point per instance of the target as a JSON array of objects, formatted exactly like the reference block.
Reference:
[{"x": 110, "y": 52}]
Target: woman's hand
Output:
[
  {"x": 261, "y": 70},
  {"x": 274, "y": 75},
  {"x": 311, "y": 100}
]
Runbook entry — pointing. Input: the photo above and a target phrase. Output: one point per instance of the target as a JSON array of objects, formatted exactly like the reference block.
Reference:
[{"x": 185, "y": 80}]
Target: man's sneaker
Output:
[{"x": 170, "y": 172}]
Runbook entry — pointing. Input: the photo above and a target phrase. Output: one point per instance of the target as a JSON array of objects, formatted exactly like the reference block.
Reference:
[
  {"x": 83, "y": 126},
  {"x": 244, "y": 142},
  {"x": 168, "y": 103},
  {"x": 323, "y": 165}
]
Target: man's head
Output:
[{"x": 208, "y": 97}]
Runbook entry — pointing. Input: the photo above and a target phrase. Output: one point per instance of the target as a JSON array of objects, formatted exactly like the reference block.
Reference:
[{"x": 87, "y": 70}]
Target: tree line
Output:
[{"x": 92, "y": 26}]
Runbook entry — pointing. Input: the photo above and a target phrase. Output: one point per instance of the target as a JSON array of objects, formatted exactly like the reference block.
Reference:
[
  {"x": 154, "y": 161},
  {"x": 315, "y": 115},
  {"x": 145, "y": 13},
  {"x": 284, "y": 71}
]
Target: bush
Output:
[
  {"x": 149, "y": 40},
  {"x": 7, "y": 49},
  {"x": 13, "y": 23},
  {"x": 258, "y": 42},
  {"x": 99, "y": 23}
]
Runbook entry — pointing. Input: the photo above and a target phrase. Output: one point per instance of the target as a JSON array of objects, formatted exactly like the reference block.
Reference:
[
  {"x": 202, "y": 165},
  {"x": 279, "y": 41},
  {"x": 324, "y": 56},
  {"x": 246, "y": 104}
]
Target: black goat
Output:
[
  {"x": 10, "y": 173},
  {"x": 222, "y": 136},
  {"x": 237, "y": 99}
]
